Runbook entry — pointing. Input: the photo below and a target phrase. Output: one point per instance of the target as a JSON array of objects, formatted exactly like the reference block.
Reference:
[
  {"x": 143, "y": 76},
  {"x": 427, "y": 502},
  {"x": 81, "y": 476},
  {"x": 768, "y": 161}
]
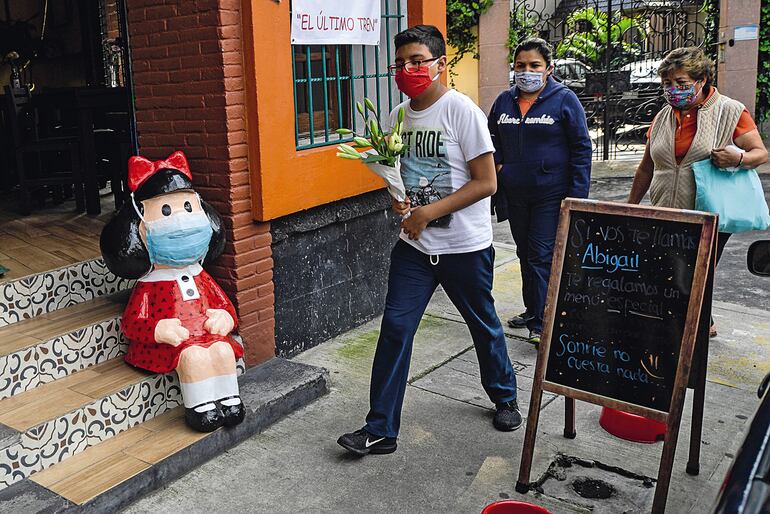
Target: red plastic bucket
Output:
[
  {"x": 513, "y": 507},
  {"x": 631, "y": 427}
]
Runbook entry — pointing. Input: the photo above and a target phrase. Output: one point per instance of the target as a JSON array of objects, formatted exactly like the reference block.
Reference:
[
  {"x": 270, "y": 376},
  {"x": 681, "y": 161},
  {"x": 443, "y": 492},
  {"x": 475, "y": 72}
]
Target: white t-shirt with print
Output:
[{"x": 441, "y": 140}]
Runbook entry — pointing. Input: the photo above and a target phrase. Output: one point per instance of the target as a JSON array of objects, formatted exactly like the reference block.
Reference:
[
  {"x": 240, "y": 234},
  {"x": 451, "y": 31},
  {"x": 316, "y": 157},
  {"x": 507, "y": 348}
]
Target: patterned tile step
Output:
[
  {"x": 51, "y": 346},
  {"x": 107, "y": 464},
  {"x": 31, "y": 296},
  {"x": 58, "y": 420},
  {"x": 109, "y": 476},
  {"x": 65, "y": 417}
]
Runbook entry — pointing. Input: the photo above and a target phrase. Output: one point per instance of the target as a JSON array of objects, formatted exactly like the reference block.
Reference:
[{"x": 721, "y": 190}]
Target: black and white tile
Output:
[
  {"x": 125, "y": 409},
  {"x": 13, "y": 302},
  {"x": 56, "y": 440},
  {"x": 18, "y": 372},
  {"x": 50, "y": 360},
  {"x": 51, "y": 442},
  {"x": 34, "y": 295}
]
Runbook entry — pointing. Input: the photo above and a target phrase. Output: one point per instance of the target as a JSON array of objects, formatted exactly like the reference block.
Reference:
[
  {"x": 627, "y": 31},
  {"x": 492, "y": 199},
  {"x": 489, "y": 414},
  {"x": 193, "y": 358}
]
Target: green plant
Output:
[
  {"x": 588, "y": 38},
  {"x": 763, "y": 68},
  {"x": 387, "y": 147},
  {"x": 711, "y": 11},
  {"x": 462, "y": 16},
  {"x": 522, "y": 25}
]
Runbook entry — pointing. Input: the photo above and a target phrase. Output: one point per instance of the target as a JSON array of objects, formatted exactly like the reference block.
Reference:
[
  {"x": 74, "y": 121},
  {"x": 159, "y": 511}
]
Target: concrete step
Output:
[
  {"x": 112, "y": 474},
  {"x": 28, "y": 297},
  {"x": 54, "y": 345}
]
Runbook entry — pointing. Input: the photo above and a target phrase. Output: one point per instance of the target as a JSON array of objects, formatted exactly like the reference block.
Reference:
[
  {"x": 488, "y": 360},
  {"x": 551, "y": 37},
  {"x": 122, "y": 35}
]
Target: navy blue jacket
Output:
[{"x": 547, "y": 152}]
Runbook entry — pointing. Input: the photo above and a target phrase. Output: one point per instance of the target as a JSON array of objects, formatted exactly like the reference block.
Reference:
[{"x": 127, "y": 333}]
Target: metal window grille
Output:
[{"x": 329, "y": 79}]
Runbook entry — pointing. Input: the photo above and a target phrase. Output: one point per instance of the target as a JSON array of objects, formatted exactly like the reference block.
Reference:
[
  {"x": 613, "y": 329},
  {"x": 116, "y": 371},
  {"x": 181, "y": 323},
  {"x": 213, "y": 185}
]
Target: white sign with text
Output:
[{"x": 335, "y": 22}]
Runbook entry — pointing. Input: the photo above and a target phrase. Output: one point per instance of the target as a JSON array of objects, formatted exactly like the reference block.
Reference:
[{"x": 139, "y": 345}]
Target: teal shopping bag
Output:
[{"x": 737, "y": 197}]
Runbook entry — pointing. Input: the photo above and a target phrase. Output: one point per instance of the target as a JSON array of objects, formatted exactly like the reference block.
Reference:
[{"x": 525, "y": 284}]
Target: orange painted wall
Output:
[
  {"x": 283, "y": 179},
  {"x": 427, "y": 12}
]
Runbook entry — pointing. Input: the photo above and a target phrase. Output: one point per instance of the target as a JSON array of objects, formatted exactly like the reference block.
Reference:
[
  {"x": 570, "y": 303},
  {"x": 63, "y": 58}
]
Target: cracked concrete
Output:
[{"x": 450, "y": 459}]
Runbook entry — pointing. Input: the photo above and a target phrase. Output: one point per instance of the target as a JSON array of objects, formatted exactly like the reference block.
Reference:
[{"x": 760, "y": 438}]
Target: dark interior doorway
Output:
[{"x": 66, "y": 112}]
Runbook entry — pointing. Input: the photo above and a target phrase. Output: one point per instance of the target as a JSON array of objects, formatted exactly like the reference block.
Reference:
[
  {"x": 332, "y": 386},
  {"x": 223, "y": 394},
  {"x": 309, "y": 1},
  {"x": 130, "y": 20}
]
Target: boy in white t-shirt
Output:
[{"x": 449, "y": 174}]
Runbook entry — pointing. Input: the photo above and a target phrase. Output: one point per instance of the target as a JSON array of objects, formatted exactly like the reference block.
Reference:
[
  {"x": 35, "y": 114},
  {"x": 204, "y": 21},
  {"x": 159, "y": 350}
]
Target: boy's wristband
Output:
[{"x": 740, "y": 161}]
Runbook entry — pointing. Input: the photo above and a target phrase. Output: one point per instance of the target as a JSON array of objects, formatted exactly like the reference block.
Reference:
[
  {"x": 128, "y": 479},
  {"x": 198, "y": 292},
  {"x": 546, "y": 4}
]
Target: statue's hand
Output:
[
  {"x": 170, "y": 331},
  {"x": 219, "y": 323}
]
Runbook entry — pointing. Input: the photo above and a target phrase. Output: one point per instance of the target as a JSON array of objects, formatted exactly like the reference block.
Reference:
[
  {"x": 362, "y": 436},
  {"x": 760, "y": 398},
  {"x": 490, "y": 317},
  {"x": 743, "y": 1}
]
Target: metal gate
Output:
[{"x": 608, "y": 52}]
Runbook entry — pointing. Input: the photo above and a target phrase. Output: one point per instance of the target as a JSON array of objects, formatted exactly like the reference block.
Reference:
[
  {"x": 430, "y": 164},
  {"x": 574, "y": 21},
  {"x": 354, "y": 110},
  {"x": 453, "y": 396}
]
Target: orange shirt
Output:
[
  {"x": 687, "y": 125},
  {"x": 524, "y": 105}
]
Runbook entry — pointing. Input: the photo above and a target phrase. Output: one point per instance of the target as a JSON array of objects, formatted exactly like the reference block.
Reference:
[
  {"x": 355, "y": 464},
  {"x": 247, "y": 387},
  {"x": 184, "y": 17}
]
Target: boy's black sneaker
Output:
[
  {"x": 507, "y": 417},
  {"x": 362, "y": 443}
]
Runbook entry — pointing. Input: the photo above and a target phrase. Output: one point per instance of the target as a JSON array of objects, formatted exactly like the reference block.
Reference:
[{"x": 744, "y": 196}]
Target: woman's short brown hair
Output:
[{"x": 692, "y": 61}]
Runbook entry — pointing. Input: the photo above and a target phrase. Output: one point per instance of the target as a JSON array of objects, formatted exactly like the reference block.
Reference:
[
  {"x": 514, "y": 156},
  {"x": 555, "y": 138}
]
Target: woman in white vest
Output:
[{"x": 683, "y": 133}]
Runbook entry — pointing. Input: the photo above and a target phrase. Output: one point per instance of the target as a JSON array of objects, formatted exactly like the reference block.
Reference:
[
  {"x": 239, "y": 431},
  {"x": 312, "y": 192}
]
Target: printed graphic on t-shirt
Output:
[{"x": 425, "y": 170}]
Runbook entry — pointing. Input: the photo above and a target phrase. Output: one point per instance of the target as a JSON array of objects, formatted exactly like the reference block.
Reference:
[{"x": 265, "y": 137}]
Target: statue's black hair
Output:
[{"x": 122, "y": 248}]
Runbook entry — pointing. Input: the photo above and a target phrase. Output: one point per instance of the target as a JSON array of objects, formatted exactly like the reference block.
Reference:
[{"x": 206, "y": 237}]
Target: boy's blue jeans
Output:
[{"x": 467, "y": 280}]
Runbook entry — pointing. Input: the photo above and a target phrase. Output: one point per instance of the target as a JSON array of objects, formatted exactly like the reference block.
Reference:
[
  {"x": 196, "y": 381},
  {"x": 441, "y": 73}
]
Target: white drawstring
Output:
[
  {"x": 136, "y": 208},
  {"x": 431, "y": 260}
]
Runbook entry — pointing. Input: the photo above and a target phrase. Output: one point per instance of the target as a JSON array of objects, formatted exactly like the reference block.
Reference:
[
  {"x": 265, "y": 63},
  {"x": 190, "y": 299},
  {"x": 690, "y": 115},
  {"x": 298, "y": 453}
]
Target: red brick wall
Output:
[
  {"x": 113, "y": 24},
  {"x": 189, "y": 89}
]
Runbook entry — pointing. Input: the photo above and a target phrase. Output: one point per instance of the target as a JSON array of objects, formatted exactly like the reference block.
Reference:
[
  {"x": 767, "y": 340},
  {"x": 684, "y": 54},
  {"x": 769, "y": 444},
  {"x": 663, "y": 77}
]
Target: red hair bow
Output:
[{"x": 140, "y": 169}]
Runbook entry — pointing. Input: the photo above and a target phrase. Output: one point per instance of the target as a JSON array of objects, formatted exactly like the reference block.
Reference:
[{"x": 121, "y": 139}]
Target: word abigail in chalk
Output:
[{"x": 595, "y": 258}]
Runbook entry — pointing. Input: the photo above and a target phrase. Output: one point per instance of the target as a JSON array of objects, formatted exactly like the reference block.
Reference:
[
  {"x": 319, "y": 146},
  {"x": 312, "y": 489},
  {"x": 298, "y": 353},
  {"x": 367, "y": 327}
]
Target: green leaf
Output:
[
  {"x": 375, "y": 158},
  {"x": 343, "y": 131}
]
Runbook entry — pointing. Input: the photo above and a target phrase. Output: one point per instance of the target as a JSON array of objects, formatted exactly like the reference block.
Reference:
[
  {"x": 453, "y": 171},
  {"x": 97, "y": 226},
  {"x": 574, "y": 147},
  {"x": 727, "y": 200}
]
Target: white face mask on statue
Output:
[{"x": 528, "y": 81}]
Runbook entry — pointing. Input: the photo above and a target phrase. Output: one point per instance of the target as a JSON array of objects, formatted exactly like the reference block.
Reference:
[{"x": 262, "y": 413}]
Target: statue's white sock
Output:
[
  {"x": 204, "y": 392},
  {"x": 205, "y": 407}
]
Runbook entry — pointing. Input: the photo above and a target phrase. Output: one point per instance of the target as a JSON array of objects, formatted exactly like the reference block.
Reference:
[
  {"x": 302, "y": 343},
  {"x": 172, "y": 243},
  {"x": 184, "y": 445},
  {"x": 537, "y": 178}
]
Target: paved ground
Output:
[{"x": 450, "y": 459}]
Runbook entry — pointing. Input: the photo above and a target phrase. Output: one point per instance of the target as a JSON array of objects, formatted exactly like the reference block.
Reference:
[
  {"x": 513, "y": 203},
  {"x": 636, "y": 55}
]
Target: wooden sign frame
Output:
[{"x": 673, "y": 417}]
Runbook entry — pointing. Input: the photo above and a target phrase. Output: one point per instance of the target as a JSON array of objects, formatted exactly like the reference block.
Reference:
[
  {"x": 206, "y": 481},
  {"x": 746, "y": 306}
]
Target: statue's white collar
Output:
[{"x": 175, "y": 274}]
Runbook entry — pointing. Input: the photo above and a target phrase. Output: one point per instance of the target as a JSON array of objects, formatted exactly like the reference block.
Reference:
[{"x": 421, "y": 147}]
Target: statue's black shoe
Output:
[
  {"x": 206, "y": 421},
  {"x": 234, "y": 414}
]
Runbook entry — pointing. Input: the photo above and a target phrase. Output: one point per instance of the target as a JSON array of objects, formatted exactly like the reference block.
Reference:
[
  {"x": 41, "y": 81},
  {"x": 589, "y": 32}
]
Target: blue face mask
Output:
[
  {"x": 178, "y": 240},
  {"x": 528, "y": 81}
]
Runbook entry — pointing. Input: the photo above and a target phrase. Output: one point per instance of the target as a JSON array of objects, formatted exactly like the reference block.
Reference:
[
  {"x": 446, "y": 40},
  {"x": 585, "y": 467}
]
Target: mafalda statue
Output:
[{"x": 177, "y": 318}]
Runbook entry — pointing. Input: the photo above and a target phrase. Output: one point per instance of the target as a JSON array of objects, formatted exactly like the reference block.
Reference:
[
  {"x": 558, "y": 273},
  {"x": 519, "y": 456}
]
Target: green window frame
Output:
[{"x": 329, "y": 79}]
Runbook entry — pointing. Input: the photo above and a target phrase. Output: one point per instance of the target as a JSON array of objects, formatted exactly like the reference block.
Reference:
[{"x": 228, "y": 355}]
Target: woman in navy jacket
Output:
[{"x": 543, "y": 155}]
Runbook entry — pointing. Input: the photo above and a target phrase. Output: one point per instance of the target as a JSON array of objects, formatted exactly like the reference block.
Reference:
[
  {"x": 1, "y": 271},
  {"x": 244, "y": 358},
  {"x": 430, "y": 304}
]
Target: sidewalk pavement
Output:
[
  {"x": 627, "y": 168},
  {"x": 450, "y": 459}
]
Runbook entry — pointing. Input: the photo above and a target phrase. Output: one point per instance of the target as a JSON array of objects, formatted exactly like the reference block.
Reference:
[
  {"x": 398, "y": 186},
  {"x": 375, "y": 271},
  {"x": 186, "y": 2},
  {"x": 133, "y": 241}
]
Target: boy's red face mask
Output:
[{"x": 415, "y": 82}]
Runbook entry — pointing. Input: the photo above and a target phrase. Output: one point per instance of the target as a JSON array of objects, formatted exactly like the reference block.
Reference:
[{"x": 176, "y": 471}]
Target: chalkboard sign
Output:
[
  {"x": 622, "y": 305},
  {"x": 620, "y": 299},
  {"x": 622, "y": 312}
]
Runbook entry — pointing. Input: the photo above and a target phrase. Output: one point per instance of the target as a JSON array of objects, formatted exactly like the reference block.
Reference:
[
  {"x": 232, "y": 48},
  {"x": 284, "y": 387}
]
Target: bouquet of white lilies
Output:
[{"x": 384, "y": 150}]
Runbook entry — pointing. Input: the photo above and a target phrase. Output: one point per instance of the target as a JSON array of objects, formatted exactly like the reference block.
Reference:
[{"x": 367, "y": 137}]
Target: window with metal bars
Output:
[{"x": 329, "y": 79}]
